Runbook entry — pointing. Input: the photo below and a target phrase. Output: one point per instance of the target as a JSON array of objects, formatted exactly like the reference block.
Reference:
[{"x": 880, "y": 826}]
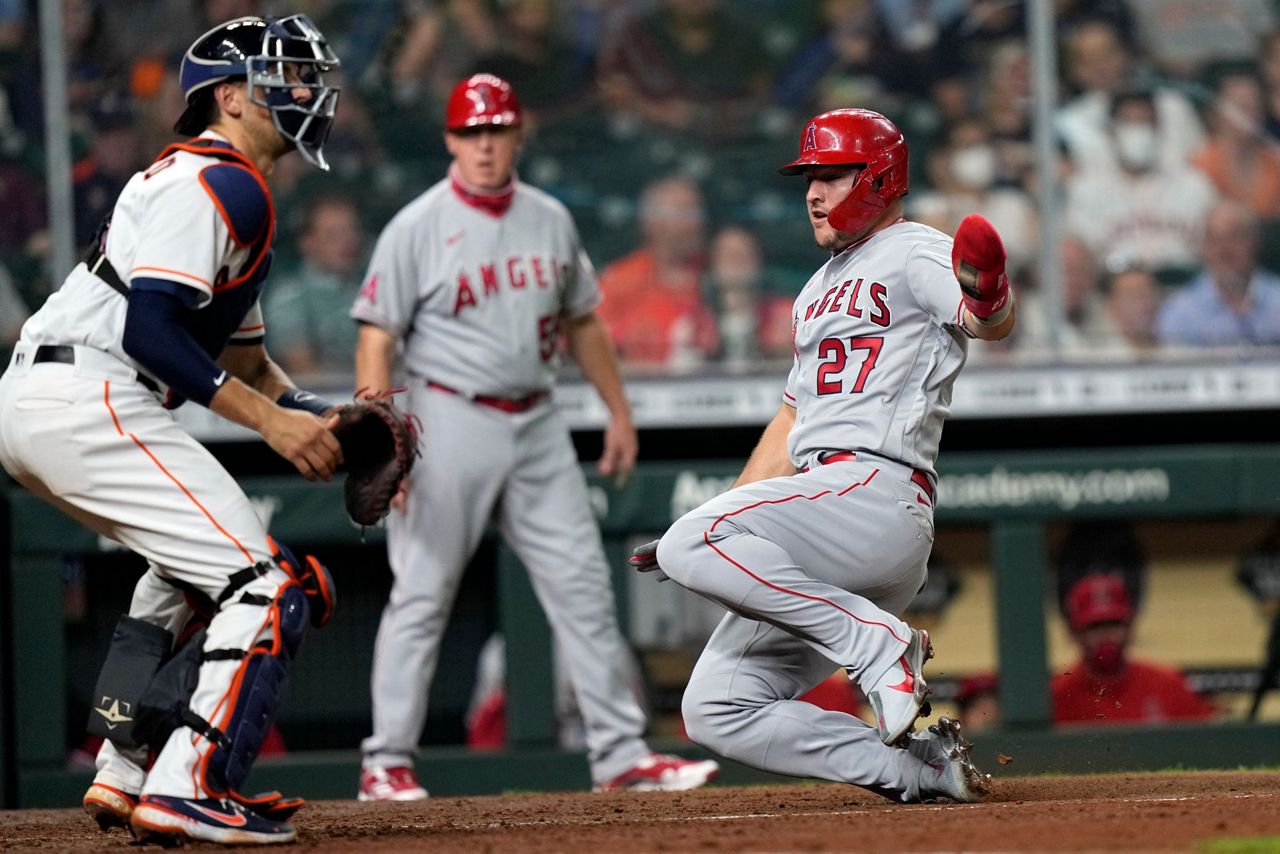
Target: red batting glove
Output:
[{"x": 977, "y": 259}]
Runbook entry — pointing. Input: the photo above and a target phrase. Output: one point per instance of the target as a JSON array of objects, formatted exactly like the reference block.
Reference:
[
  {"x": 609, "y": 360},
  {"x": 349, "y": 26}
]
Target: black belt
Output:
[{"x": 66, "y": 354}]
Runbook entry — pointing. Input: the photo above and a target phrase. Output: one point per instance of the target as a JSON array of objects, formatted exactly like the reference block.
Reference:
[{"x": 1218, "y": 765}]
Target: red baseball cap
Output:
[
  {"x": 482, "y": 99},
  {"x": 1098, "y": 599}
]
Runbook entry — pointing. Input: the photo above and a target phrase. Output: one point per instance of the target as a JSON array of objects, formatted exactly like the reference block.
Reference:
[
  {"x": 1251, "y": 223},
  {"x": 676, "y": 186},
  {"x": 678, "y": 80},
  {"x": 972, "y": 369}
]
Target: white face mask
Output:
[
  {"x": 974, "y": 166},
  {"x": 1136, "y": 145}
]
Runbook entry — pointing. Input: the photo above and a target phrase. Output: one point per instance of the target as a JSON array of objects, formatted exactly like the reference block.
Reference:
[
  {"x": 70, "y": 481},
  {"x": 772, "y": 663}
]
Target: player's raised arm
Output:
[{"x": 978, "y": 259}]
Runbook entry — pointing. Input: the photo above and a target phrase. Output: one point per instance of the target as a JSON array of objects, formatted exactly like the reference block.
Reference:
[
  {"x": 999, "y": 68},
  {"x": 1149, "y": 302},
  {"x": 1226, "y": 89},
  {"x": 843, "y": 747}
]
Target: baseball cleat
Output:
[
  {"x": 948, "y": 764},
  {"x": 172, "y": 822},
  {"x": 396, "y": 783},
  {"x": 659, "y": 772},
  {"x": 108, "y": 806},
  {"x": 900, "y": 695}
]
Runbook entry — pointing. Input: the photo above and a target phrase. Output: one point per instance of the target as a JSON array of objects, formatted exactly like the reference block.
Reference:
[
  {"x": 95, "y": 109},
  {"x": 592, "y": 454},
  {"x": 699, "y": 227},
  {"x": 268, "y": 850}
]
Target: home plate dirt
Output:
[{"x": 1129, "y": 812}]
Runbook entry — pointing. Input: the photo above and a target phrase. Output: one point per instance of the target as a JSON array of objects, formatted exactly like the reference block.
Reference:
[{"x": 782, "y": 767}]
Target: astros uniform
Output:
[
  {"x": 83, "y": 426},
  {"x": 814, "y": 567},
  {"x": 477, "y": 295}
]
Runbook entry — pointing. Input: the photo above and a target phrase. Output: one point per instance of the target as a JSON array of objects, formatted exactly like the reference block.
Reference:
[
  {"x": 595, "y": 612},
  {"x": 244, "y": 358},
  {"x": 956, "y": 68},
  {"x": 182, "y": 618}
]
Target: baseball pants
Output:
[
  {"x": 813, "y": 569},
  {"x": 521, "y": 470},
  {"x": 92, "y": 441}
]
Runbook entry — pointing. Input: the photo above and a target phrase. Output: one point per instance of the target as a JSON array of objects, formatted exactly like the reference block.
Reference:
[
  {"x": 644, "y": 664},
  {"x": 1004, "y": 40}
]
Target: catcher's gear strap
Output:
[
  {"x": 143, "y": 691},
  {"x": 205, "y": 607},
  {"x": 259, "y": 685},
  {"x": 315, "y": 579},
  {"x": 138, "y": 649},
  {"x": 96, "y": 260},
  {"x": 241, "y": 578},
  {"x": 271, "y": 805}
]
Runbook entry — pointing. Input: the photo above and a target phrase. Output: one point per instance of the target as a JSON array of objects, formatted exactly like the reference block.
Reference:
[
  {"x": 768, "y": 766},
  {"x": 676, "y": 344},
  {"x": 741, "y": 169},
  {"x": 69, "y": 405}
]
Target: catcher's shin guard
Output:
[
  {"x": 256, "y": 691},
  {"x": 313, "y": 577}
]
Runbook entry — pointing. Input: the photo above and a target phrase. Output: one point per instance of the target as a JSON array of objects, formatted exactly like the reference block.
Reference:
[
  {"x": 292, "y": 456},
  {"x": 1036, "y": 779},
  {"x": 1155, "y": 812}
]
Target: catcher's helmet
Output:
[
  {"x": 863, "y": 138},
  {"x": 482, "y": 99},
  {"x": 260, "y": 50}
]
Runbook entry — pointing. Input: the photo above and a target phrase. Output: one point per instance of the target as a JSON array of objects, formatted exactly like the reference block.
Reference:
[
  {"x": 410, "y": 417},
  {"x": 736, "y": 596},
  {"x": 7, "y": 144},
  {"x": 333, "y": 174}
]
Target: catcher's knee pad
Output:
[
  {"x": 138, "y": 652},
  {"x": 258, "y": 686},
  {"x": 313, "y": 576}
]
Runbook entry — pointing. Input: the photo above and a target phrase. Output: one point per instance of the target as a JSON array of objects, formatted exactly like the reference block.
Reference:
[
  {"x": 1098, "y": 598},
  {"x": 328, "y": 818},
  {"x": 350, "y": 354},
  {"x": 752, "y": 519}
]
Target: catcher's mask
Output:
[
  {"x": 277, "y": 57},
  {"x": 853, "y": 137}
]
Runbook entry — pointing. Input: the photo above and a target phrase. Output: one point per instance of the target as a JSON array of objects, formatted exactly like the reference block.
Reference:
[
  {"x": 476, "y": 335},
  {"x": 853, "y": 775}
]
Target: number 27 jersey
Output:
[{"x": 878, "y": 344}]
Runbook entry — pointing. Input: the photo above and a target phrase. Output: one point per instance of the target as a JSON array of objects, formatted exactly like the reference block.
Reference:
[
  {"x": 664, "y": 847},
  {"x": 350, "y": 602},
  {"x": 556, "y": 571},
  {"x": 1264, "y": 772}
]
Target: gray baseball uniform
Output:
[
  {"x": 477, "y": 299},
  {"x": 814, "y": 567}
]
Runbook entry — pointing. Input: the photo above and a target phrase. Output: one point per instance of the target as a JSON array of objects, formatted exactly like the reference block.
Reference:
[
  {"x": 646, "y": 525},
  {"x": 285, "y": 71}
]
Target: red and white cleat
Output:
[
  {"x": 108, "y": 806},
  {"x": 398, "y": 783},
  {"x": 659, "y": 772}
]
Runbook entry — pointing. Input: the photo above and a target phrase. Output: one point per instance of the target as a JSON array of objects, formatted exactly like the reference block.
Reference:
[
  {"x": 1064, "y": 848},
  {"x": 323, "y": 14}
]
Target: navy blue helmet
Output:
[{"x": 276, "y": 57}]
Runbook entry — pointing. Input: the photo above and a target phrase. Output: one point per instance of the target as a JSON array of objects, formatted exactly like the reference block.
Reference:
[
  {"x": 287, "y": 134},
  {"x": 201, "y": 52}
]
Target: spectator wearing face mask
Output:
[
  {"x": 962, "y": 171},
  {"x": 1102, "y": 69},
  {"x": 1143, "y": 213},
  {"x": 1107, "y": 685}
]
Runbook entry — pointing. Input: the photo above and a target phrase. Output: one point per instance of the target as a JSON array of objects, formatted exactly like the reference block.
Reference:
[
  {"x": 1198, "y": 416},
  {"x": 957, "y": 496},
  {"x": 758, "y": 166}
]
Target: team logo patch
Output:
[
  {"x": 370, "y": 290},
  {"x": 481, "y": 97},
  {"x": 811, "y": 137},
  {"x": 115, "y": 712}
]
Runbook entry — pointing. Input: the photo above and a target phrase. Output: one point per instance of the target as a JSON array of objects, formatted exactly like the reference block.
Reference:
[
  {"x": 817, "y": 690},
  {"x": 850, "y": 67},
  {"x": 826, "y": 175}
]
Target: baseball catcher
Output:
[{"x": 165, "y": 308}]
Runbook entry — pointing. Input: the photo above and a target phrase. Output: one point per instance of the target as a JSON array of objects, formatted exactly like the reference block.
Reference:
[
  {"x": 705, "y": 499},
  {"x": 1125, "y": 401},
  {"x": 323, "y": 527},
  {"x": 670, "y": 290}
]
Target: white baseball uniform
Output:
[
  {"x": 90, "y": 433},
  {"x": 478, "y": 295},
  {"x": 814, "y": 567}
]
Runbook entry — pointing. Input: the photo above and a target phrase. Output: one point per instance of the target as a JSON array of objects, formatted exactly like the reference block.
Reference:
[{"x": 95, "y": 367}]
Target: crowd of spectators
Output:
[{"x": 660, "y": 122}]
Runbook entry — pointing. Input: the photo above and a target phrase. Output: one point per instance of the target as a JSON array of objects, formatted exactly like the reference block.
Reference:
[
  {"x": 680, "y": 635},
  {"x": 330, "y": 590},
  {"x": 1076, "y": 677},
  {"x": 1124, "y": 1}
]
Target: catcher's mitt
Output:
[{"x": 379, "y": 445}]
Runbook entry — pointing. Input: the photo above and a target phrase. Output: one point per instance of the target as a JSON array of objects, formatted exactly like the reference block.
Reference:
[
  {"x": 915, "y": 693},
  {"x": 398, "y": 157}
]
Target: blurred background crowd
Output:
[{"x": 660, "y": 124}]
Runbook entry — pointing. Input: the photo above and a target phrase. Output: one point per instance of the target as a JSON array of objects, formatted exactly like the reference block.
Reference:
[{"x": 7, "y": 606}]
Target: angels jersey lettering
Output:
[
  {"x": 878, "y": 345},
  {"x": 479, "y": 299}
]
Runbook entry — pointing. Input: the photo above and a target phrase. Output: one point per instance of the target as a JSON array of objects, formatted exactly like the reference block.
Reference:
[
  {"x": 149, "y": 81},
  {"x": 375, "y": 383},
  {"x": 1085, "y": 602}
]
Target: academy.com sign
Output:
[{"x": 1065, "y": 490}]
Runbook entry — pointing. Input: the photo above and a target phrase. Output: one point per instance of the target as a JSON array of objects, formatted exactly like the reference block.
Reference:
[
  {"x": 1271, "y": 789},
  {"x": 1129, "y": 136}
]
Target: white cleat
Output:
[
  {"x": 948, "y": 764},
  {"x": 899, "y": 697}
]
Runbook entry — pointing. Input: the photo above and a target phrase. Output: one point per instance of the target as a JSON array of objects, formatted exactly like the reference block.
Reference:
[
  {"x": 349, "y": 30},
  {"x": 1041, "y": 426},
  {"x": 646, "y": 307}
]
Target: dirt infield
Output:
[{"x": 1132, "y": 812}]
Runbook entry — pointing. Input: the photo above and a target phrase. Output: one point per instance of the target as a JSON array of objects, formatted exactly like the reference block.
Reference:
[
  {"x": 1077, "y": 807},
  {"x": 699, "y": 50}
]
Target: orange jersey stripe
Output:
[{"x": 171, "y": 273}]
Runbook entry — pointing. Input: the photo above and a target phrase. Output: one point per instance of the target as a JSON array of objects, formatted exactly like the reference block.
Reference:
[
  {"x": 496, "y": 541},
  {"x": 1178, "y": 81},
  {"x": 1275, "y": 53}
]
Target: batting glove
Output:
[
  {"x": 645, "y": 559},
  {"x": 977, "y": 259}
]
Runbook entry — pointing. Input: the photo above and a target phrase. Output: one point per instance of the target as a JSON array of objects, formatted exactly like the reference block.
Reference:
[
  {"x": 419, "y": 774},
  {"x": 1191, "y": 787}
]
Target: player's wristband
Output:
[
  {"x": 992, "y": 319},
  {"x": 296, "y": 398}
]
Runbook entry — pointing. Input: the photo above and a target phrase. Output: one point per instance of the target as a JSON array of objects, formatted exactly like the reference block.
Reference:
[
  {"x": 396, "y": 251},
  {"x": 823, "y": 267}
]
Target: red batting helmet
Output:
[
  {"x": 482, "y": 99},
  {"x": 856, "y": 138}
]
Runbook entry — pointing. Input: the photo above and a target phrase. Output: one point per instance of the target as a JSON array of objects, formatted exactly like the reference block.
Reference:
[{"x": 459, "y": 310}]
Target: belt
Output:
[
  {"x": 918, "y": 477},
  {"x": 66, "y": 354},
  {"x": 503, "y": 404}
]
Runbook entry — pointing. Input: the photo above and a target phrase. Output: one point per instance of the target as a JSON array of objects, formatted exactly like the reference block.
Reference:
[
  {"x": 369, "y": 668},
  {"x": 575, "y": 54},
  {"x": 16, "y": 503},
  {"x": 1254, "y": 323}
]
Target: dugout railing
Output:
[{"x": 1015, "y": 495}]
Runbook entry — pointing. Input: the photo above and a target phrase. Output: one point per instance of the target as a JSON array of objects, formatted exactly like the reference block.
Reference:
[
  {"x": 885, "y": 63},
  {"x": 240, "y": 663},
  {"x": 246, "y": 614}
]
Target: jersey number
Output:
[
  {"x": 835, "y": 356},
  {"x": 548, "y": 336}
]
